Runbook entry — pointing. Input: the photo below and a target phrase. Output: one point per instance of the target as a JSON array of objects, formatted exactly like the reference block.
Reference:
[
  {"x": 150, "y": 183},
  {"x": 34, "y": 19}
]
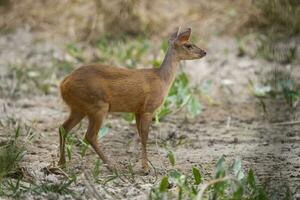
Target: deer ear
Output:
[
  {"x": 184, "y": 36},
  {"x": 174, "y": 36}
]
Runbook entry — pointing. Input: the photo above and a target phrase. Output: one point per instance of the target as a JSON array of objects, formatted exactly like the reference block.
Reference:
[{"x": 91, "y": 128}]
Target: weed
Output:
[
  {"x": 10, "y": 155},
  {"x": 180, "y": 95},
  {"x": 280, "y": 86},
  {"x": 72, "y": 141},
  {"x": 59, "y": 188},
  {"x": 83, "y": 146},
  {"x": 17, "y": 188},
  {"x": 97, "y": 170},
  {"x": 28, "y": 80},
  {"x": 227, "y": 183},
  {"x": 171, "y": 158},
  {"x": 13, "y": 188},
  {"x": 120, "y": 52}
]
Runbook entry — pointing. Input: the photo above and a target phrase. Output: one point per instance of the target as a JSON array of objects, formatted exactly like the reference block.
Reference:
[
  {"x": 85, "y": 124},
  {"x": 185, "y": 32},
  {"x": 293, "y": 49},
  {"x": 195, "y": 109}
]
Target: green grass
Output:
[
  {"x": 16, "y": 188},
  {"x": 10, "y": 156},
  {"x": 34, "y": 80},
  {"x": 72, "y": 141},
  {"x": 60, "y": 188}
]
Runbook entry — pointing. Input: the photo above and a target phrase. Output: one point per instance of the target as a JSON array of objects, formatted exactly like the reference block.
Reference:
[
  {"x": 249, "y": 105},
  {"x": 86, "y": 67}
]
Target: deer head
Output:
[{"x": 183, "y": 48}]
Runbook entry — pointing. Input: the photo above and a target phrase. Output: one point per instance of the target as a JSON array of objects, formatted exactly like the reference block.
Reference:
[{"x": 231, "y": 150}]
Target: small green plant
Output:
[
  {"x": 83, "y": 146},
  {"x": 181, "y": 95},
  {"x": 10, "y": 155},
  {"x": 17, "y": 188},
  {"x": 59, "y": 188},
  {"x": 13, "y": 188},
  {"x": 33, "y": 79},
  {"x": 123, "y": 52},
  {"x": 171, "y": 158},
  {"x": 72, "y": 141},
  {"x": 97, "y": 170},
  {"x": 228, "y": 183},
  {"x": 280, "y": 86}
]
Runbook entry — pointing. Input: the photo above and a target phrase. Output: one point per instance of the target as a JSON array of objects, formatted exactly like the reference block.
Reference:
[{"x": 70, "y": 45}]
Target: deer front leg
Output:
[{"x": 144, "y": 124}]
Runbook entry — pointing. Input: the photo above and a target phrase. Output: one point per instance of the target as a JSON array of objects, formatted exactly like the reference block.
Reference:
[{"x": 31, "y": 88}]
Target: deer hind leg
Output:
[
  {"x": 143, "y": 128},
  {"x": 137, "y": 122},
  {"x": 95, "y": 120},
  {"x": 74, "y": 118}
]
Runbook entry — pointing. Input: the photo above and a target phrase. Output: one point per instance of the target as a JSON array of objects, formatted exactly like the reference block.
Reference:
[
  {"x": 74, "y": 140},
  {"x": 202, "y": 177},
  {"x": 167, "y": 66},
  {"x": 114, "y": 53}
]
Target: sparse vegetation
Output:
[
  {"x": 281, "y": 86},
  {"x": 133, "y": 34},
  {"x": 228, "y": 182}
]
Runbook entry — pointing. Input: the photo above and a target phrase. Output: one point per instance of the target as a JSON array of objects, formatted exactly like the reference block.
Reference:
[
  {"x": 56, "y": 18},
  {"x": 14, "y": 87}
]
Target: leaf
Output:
[
  {"x": 220, "y": 170},
  {"x": 103, "y": 131},
  {"x": 251, "y": 179},
  {"x": 194, "y": 190},
  {"x": 83, "y": 147},
  {"x": 62, "y": 132},
  {"x": 197, "y": 175},
  {"x": 171, "y": 158},
  {"x": 238, "y": 193},
  {"x": 174, "y": 174},
  {"x": 17, "y": 132},
  {"x": 96, "y": 170},
  {"x": 156, "y": 63},
  {"x": 164, "y": 184},
  {"x": 69, "y": 151},
  {"x": 164, "y": 111},
  {"x": 237, "y": 169},
  {"x": 194, "y": 107}
]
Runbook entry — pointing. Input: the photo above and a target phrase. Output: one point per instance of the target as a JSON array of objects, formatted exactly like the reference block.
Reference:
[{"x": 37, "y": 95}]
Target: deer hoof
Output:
[
  {"x": 146, "y": 170},
  {"x": 62, "y": 163}
]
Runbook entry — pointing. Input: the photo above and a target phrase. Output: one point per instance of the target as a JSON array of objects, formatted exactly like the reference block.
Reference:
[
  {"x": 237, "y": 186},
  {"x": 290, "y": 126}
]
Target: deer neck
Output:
[{"x": 168, "y": 68}]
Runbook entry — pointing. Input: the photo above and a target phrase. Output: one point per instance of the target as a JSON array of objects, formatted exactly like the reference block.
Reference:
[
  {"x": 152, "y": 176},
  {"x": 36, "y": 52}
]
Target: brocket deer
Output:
[{"x": 94, "y": 90}]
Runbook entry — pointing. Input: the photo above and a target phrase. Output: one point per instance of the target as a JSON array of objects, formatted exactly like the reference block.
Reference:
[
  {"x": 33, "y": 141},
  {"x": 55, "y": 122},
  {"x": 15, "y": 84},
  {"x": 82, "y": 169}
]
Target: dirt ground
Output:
[{"x": 233, "y": 125}]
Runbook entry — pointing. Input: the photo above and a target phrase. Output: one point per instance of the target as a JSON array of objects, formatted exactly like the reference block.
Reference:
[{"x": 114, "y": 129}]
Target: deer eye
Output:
[{"x": 189, "y": 46}]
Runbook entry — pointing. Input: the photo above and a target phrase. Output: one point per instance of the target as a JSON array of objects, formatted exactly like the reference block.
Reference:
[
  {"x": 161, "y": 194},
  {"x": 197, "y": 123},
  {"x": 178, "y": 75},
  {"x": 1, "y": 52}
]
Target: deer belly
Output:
[{"x": 124, "y": 105}]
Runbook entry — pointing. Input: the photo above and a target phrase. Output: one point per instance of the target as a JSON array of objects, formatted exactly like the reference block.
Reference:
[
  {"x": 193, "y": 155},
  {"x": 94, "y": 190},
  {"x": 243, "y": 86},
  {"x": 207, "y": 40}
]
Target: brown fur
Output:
[{"x": 94, "y": 90}]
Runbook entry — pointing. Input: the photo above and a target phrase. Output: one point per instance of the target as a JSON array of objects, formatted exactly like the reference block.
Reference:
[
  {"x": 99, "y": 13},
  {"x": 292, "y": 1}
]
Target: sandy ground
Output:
[{"x": 234, "y": 126}]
